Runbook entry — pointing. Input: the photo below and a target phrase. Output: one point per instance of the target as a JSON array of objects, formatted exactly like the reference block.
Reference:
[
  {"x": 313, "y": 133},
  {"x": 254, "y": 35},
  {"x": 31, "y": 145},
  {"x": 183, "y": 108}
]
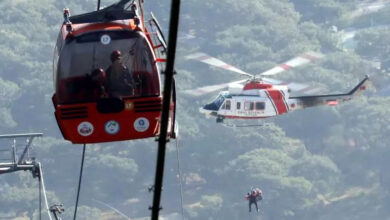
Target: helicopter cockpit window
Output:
[
  {"x": 106, "y": 64},
  {"x": 219, "y": 100},
  {"x": 215, "y": 104}
]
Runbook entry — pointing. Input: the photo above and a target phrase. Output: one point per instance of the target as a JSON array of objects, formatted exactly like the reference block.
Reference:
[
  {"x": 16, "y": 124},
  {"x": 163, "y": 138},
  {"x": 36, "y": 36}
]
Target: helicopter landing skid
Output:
[{"x": 243, "y": 125}]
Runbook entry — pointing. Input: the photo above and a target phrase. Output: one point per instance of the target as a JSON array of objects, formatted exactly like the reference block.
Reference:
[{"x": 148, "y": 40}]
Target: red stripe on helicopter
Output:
[
  {"x": 277, "y": 98},
  {"x": 250, "y": 86},
  {"x": 284, "y": 100}
]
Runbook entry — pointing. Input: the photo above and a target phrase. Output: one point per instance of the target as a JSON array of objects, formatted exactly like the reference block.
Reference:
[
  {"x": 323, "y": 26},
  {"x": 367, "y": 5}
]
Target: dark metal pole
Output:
[
  {"x": 169, "y": 71},
  {"x": 98, "y": 5},
  {"x": 80, "y": 178}
]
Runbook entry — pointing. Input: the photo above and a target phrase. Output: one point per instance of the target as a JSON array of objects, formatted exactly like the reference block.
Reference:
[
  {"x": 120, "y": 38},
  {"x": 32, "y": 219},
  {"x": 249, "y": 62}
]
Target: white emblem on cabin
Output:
[
  {"x": 105, "y": 39},
  {"x": 112, "y": 127},
  {"x": 141, "y": 124},
  {"x": 85, "y": 128}
]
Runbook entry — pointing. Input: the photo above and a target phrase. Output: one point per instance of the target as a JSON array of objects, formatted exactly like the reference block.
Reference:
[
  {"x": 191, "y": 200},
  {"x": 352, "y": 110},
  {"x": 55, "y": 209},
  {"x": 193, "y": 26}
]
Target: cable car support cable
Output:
[
  {"x": 169, "y": 71},
  {"x": 42, "y": 186},
  {"x": 80, "y": 178},
  {"x": 40, "y": 198},
  {"x": 179, "y": 176}
]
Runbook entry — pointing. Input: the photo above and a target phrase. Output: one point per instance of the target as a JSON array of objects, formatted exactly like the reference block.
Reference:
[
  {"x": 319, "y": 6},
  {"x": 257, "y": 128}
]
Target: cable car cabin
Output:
[{"x": 107, "y": 82}]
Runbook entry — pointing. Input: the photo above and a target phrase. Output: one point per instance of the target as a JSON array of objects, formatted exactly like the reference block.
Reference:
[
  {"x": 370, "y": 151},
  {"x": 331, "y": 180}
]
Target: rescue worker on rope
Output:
[{"x": 253, "y": 196}]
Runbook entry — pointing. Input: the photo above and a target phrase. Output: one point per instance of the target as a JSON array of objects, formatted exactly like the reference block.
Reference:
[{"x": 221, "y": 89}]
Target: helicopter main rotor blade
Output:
[
  {"x": 300, "y": 60},
  {"x": 294, "y": 87},
  {"x": 208, "y": 89},
  {"x": 202, "y": 57}
]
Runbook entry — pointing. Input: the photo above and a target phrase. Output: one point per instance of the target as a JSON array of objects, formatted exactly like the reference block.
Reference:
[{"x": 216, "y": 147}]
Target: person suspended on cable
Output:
[
  {"x": 254, "y": 195},
  {"x": 119, "y": 79}
]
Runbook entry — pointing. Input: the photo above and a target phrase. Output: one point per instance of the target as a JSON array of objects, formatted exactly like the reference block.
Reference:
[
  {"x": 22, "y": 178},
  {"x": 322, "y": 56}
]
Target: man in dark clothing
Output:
[
  {"x": 253, "y": 196},
  {"x": 119, "y": 79}
]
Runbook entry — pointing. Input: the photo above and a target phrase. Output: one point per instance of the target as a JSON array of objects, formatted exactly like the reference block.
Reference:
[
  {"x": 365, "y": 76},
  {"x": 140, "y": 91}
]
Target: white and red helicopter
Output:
[{"x": 262, "y": 97}]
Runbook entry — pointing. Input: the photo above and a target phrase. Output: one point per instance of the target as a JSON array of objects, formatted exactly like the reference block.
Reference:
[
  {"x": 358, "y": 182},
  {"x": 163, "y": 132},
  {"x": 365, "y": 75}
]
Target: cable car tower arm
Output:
[
  {"x": 23, "y": 161},
  {"x": 169, "y": 72}
]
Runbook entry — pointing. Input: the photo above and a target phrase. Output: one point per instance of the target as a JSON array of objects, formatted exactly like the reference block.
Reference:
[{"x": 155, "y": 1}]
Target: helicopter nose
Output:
[
  {"x": 204, "y": 111},
  {"x": 207, "y": 112}
]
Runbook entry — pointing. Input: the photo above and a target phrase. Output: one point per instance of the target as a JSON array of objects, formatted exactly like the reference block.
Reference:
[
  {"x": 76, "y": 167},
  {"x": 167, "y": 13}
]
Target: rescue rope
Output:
[
  {"x": 180, "y": 179},
  {"x": 114, "y": 209},
  {"x": 80, "y": 178}
]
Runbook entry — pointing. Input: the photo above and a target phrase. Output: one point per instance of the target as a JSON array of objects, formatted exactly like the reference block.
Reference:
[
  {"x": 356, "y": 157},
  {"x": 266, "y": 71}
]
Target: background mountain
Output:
[{"x": 320, "y": 163}]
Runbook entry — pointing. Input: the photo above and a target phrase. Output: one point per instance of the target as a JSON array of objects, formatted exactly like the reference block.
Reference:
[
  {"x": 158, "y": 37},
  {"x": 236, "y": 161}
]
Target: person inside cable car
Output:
[
  {"x": 94, "y": 85},
  {"x": 145, "y": 85},
  {"x": 119, "y": 81}
]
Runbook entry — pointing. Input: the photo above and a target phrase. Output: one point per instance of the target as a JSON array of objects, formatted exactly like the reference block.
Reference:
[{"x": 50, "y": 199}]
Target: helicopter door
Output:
[
  {"x": 226, "y": 108},
  {"x": 249, "y": 107},
  {"x": 236, "y": 107}
]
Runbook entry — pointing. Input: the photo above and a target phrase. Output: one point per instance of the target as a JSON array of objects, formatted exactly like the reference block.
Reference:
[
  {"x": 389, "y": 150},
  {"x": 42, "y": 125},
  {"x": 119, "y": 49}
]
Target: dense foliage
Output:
[{"x": 320, "y": 163}]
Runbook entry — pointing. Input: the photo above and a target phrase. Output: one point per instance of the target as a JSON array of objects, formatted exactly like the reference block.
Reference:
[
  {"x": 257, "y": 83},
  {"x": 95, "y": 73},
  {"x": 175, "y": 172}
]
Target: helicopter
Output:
[
  {"x": 262, "y": 97},
  {"x": 107, "y": 69}
]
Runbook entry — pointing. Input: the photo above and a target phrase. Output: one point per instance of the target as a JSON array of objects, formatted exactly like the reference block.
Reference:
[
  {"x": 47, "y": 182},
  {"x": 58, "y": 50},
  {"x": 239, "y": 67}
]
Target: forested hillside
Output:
[{"x": 319, "y": 163}]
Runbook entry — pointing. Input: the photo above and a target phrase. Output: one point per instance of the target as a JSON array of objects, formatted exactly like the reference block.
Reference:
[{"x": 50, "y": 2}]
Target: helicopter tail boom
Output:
[
  {"x": 360, "y": 87},
  {"x": 299, "y": 102}
]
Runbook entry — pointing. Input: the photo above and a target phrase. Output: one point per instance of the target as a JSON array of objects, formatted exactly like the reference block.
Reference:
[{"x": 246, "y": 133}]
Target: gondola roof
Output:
[{"x": 113, "y": 12}]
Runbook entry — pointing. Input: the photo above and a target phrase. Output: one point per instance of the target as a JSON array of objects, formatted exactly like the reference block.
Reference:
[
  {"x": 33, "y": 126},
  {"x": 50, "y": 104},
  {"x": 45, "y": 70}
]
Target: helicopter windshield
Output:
[
  {"x": 106, "y": 64},
  {"x": 215, "y": 104}
]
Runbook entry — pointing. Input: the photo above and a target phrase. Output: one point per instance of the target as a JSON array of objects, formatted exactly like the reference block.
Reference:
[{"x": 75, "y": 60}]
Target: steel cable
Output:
[
  {"x": 80, "y": 178},
  {"x": 180, "y": 179}
]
